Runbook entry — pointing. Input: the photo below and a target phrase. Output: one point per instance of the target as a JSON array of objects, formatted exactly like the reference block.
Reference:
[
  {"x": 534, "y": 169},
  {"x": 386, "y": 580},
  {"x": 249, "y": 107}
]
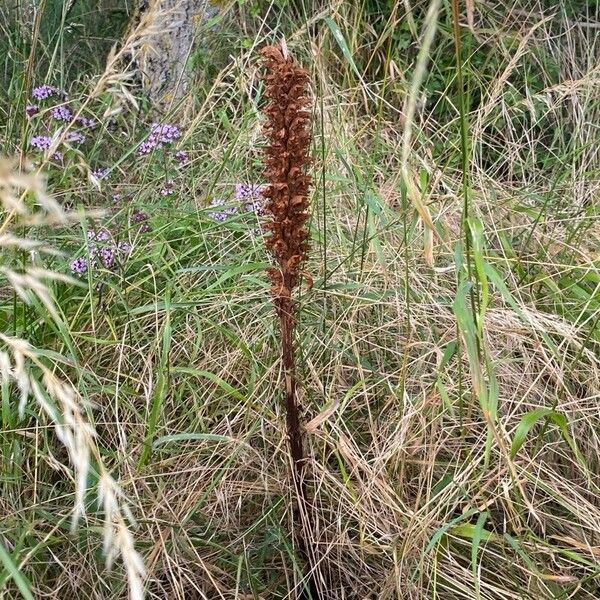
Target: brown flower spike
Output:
[{"x": 286, "y": 160}]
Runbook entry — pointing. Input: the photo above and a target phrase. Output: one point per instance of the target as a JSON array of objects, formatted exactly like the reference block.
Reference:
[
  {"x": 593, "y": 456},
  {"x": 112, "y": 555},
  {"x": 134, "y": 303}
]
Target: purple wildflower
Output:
[
  {"x": 117, "y": 198},
  {"x": 100, "y": 172},
  {"x": 169, "y": 188},
  {"x": 98, "y": 236},
  {"x": 147, "y": 146},
  {"x": 244, "y": 191},
  {"x": 255, "y": 206},
  {"x": 41, "y": 142},
  {"x": 79, "y": 266},
  {"x": 252, "y": 195},
  {"x": 165, "y": 133},
  {"x": 125, "y": 247},
  {"x": 140, "y": 216},
  {"x": 32, "y": 109},
  {"x": 159, "y": 134},
  {"x": 107, "y": 256},
  {"x": 75, "y": 137},
  {"x": 182, "y": 157},
  {"x": 61, "y": 113},
  {"x": 223, "y": 214},
  {"x": 103, "y": 252},
  {"x": 44, "y": 91},
  {"x": 57, "y": 155},
  {"x": 85, "y": 122}
]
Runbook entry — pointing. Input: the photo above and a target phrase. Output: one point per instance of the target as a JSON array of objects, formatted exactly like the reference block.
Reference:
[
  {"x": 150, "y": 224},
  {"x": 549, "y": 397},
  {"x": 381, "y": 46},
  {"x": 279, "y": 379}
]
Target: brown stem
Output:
[{"x": 302, "y": 512}]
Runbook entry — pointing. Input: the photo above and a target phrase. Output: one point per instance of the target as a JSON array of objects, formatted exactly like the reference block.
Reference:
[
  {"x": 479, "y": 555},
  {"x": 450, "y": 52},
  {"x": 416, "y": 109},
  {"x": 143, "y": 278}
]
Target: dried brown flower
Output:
[{"x": 286, "y": 159}]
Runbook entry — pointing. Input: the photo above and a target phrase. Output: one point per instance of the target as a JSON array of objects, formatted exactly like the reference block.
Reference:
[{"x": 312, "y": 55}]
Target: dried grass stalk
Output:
[{"x": 25, "y": 203}]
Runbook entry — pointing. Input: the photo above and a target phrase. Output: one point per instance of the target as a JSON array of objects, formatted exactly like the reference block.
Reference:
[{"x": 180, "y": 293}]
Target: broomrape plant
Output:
[{"x": 286, "y": 159}]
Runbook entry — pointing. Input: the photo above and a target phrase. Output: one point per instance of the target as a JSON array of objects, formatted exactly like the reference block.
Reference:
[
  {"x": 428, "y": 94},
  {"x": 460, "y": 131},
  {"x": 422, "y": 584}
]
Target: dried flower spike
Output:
[
  {"x": 286, "y": 161},
  {"x": 286, "y": 194}
]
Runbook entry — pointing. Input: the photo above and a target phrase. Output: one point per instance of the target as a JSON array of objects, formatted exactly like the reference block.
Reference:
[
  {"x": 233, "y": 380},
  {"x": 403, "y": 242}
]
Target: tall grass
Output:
[{"x": 449, "y": 393}]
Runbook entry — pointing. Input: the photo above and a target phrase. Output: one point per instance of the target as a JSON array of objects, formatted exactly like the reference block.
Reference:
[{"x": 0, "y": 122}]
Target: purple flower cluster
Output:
[
  {"x": 41, "y": 142},
  {"x": 75, "y": 137},
  {"x": 165, "y": 133},
  {"x": 45, "y": 91},
  {"x": 85, "y": 121},
  {"x": 140, "y": 216},
  {"x": 100, "y": 172},
  {"x": 98, "y": 236},
  {"x": 223, "y": 214},
  {"x": 61, "y": 113},
  {"x": 79, "y": 266},
  {"x": 160, "y": 134},
  {"x": 251, "y": 194},
  {"x": 247, "y": 193},
  {"x": 103, "y": 253},
  {"x": 147, "y": 147},
  {"x": 169, "y": 188},
  {"x": 107, "y": 256},
  {"x": 182, "y": 157}
]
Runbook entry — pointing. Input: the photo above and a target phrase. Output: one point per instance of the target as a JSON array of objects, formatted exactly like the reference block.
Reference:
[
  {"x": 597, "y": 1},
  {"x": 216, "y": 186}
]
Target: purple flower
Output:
[
  {"x": 165, "y": 133},
  {"x": 79, "y": 266},
  {"x": 147, "y": 146},
  {"x": 107, "y": 256},
  {"x": 255, "y": 206},
  {"x": 75, "y": 137},
  {"x": 125, "y": 247},
  {"x": 98, "y": 236},
  {"x": 57, "y": 155},
  {"x": 41, "y": 142},
  {"x": 32, "y": 109},
  {"x": 85, "y": 122},
  {"x": 159, "y": 134},
  {"x": 100, "y": 172},
  {"x": 117, "y": 198},
  {"x": 169, "y": 188},
  {"x": 61, "y": 113},
  {"x": 44, "y": 91},
  {"x": 140, "y": 216},
  {"x": 103, "y": 252},
  {"x": 182, "y": 157},
  {"x": 252, "y": 195},
  {"x": 246, "y": 191},
  {"x": 223, "y": 214}
]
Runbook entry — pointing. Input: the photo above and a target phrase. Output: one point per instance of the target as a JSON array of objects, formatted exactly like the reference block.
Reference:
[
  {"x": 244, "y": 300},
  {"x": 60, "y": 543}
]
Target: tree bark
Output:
[{"x": 161, "y": 59}]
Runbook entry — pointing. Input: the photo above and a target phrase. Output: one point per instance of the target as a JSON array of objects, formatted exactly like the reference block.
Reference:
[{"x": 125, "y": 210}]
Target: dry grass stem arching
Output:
[
  {"x": 26, "y": 204},
  {"x": 286, "y": 158}
]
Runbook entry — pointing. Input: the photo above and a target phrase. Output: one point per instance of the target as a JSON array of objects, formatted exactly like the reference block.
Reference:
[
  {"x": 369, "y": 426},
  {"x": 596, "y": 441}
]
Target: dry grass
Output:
[{"x": 422, "y": 486}]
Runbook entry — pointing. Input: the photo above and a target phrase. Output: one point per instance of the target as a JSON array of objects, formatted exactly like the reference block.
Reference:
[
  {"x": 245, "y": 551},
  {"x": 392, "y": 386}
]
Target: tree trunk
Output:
[{"x": 170, "y": 27}]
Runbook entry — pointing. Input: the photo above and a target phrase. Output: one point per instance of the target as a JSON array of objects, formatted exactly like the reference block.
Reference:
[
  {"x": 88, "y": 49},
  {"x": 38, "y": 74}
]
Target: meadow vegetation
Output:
[{"x": 447, "y": 343}]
